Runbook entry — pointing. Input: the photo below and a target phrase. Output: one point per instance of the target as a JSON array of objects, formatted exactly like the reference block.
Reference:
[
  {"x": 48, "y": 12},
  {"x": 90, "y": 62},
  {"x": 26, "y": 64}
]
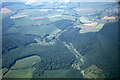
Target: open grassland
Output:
[
  {"x": 84, "y": 20},
  {"x": 85, "y": 11},
  {"x": 60, "y": 17},
  {"x": 18, "y": 16},
  {"x": 91, "y": 24},
  {"x": 29, "y": 12},
  {"x": 54, "y": 33},
  {"x": 63, "y": 73},
  {"x": 22, "y": 68},
  {"x": 26, "y": 62},
  {"x": 22, "y": 73},
  {"x": 96, "y": 29}
]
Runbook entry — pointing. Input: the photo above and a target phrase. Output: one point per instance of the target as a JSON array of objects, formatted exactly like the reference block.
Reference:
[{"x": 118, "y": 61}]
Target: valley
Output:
[{"x": 59, "y": 40}]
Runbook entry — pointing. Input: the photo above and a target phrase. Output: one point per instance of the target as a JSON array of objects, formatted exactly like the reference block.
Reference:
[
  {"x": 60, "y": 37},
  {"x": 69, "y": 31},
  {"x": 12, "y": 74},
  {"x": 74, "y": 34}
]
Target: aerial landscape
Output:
[{"x": 59, "y": 39}]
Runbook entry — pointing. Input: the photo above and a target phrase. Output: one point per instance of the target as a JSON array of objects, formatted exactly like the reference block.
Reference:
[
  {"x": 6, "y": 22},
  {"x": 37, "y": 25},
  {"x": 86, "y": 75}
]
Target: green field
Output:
[
  {"x": 96, "y": 29},
  {"x": 26, "y": 62},
  {"x": 23, "y": 68},
  {"x": 22, "y": 73}
]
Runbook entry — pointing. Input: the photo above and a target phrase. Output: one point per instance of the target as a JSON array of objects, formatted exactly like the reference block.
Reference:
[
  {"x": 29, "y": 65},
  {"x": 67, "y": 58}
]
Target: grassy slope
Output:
[
  {"x": 26, "y": 62},
  {"x": 25, "y": 73}
]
